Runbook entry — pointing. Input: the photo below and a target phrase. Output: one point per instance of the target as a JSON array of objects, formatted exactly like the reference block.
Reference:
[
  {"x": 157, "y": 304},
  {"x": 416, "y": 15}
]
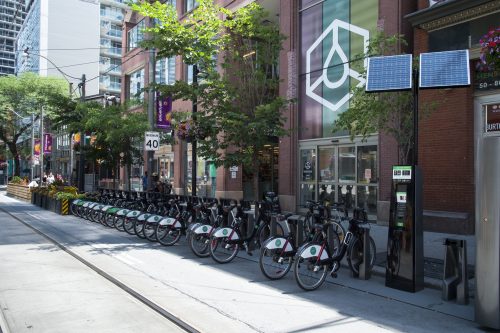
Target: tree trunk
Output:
[
  {"x": 17, "y": 161},
  {"x": 128, "y": 171}
]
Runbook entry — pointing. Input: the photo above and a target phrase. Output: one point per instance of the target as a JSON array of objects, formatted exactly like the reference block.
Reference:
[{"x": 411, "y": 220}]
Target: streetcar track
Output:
[{"x": 152, "y": 305}]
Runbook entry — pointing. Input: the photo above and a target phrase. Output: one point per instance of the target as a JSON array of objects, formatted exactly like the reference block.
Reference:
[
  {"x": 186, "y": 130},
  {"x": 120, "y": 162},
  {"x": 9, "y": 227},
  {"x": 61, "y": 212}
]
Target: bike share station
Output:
[{"x": 405, "y": 259}]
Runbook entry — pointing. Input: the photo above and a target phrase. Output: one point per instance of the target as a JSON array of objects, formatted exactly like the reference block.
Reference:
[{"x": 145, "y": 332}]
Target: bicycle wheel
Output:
[
  {"x": 74, "y": 209},
  {"x": 128, "y": 226},
  {"x": 199, "y": 244},
  {"x": 355, "y": 255},
  {"x": 265, "y": 233},
  {"x": 338, "y": 228},
  {"x": 139, "y": 228},
  {"x": 308, "y": 273},
  {"x": 167, "y": 236},
  {"x": 222, "y": 250},
  {"x": 150, "y": 231},
  {"x": 119, "y": 223},
  {"x": 109, "y": 220},
  {"x": 272, "y": 265}
]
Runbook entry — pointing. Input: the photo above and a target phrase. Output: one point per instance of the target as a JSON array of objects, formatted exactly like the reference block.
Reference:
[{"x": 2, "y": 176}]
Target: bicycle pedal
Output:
[
  {"x": 280, "y": 260},
  {"x": 249, "y": 253},
  {"x": 333, "y": 275}
]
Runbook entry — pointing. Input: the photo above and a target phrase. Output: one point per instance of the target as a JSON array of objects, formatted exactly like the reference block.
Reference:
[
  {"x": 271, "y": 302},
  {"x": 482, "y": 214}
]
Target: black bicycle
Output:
[{"x": 315, "y": 259}]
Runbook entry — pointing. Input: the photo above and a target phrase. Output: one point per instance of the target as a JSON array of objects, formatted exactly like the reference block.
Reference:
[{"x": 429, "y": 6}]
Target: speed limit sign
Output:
[{"x": 151, "y": 141}]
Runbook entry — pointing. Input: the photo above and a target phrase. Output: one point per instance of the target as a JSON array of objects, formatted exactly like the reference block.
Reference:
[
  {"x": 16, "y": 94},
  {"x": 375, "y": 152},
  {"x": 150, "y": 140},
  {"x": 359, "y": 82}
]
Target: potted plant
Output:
[{"x": 489, "y": 59}]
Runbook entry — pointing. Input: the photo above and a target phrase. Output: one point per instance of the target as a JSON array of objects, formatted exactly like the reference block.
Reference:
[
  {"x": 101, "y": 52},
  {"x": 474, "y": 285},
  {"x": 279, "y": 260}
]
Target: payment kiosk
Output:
[{"x": 405, "y": 264}]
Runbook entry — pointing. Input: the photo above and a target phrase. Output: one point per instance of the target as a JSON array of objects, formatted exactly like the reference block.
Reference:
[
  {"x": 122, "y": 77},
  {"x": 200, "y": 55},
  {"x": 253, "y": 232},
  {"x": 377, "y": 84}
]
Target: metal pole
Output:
[
  {"x": 32, "y": 146},
  {"x": 81, "y": 176},
  {"x": 193, "y": 142},
  {"x": 415, "y": 117},
  {"x": 41, "y": 144},
  {"x": 151, "y": 104}
]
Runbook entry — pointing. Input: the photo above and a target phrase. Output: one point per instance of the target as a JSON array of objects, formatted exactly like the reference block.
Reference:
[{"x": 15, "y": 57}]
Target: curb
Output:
[{"x": 4, "y": 327}]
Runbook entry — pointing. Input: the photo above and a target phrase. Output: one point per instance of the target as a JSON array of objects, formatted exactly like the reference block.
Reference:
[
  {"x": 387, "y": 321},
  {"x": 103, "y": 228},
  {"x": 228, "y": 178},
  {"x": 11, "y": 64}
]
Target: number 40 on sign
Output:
[{"x": 151, "y": 141}]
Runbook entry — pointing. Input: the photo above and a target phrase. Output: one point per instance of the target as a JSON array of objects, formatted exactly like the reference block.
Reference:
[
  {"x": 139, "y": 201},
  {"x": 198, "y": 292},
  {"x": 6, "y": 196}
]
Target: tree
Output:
[
  {"x": 116, "y": 134},
  {"x": 24, "y": 96},
  {"x": 241, "y": 111}
]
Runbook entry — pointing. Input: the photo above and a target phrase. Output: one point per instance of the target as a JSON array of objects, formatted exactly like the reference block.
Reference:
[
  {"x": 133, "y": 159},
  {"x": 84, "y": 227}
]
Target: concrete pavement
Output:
[
  {"x": 236, "y": 297},
  {"x": 43, "y": 289}
]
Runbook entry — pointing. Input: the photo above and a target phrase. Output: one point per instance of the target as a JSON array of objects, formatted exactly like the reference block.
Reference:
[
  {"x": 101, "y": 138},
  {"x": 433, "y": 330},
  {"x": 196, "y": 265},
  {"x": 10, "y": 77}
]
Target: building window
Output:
[
  {"x": 116, "y": 48},
  {"x": 135, "y": 35},
  {"x": 190, "y": 5},
  {"x": 165, "y": 71},
  {"x": 188, "y": 75},
  {"x": 136, "y": 84}
]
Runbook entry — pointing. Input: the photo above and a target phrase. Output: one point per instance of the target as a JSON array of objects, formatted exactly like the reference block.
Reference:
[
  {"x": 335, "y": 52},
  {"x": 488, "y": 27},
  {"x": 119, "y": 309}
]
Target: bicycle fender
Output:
[
  {"x": 77, "y": 201},
  {"x": 122, "y": 212},
  {"x": 143, "y": 217},
  {"x": 193, "y": 226},
  {"x": 105, "y": 208},
  {"x": 225, "y": 232},
  {"x": 97, "y": 207},
  {"x": 313, "y": 251},
  {"x": 278, "y": 243},
  {"x": 203, "y": 229},
  {"x": 170, "y": 221},
  {"x": 153, "y": 219},
  {"x": 81, "y": 203},
  {"x": 112, "y": 210},
  {"x": 92, "y": 205},
  {"x": 87, "y": 203},
  {"x": 133, "y": 213}
]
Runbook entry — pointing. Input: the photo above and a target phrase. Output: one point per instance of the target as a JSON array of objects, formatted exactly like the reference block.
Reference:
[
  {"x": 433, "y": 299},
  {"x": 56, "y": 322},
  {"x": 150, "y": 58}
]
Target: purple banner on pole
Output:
[
  {"x": 47, "y": 143},
  {"x": 163, "y": 111}
]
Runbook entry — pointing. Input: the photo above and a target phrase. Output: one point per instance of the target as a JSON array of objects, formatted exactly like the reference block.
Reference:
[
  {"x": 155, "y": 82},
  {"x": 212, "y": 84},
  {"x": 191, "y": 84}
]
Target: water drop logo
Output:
[{"x": 323, "y": 82}]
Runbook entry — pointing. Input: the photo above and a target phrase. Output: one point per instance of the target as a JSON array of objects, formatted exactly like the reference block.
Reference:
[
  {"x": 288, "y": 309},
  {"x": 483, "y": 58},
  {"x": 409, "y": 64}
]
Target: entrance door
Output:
[{"x": 346, "y": 173}]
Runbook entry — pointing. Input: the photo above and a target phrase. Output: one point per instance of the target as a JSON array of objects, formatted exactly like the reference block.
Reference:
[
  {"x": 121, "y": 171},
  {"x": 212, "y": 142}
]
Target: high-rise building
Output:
[
  {"x": 111, "y": 20},
  {"x": 61, "y": 36},
  {"x": 11, "y": 18}
]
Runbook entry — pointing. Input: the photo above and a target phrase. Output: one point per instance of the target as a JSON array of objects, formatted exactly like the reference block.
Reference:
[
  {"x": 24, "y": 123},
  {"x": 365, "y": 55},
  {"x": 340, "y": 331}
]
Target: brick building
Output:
[{"x": 313, "y": 161}]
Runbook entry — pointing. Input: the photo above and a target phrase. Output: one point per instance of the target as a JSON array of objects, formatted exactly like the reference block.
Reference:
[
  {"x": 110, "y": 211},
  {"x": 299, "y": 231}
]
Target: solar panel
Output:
[
  {"x": 444, "y": 69},
  {"x": 389, "y": 73}
]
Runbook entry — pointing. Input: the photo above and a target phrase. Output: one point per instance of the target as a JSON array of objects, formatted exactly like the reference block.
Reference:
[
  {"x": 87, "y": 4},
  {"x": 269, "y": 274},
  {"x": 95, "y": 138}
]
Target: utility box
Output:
[{"x": 405, "y": 259}]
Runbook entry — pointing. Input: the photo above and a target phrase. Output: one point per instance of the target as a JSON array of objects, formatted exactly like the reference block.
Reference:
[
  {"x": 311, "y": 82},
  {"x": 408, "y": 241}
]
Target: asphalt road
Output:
[{"x": 51, "y": 291}]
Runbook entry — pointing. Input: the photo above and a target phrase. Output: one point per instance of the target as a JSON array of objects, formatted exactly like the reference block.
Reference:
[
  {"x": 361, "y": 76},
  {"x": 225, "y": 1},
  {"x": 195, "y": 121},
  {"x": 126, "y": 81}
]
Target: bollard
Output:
[
  {"x": 455, "y": 278},
  {"x": 364, "y": 267}
]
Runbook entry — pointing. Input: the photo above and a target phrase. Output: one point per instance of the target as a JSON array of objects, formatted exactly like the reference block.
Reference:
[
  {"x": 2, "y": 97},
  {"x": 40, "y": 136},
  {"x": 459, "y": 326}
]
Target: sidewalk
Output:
[{"x": 238, "y": 290}]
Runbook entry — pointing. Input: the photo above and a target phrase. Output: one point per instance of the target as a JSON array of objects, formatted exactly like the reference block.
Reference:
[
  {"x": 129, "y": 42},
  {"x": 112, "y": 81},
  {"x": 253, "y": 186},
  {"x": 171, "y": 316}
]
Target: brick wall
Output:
[{"x": 446, "y": 152}]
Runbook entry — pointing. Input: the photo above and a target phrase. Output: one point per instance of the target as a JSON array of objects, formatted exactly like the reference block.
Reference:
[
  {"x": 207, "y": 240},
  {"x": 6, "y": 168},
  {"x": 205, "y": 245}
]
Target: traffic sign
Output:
[{"x": 151, "y": 141}]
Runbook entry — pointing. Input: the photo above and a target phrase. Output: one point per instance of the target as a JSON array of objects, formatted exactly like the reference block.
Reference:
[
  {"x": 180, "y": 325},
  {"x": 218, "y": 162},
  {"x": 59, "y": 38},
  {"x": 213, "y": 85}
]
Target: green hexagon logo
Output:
[
  {"x": 224, "y": 232},
  {"x": 278, "y": 242},
  {"x": 313, "y": 250},
  {"x": 205, "y": 228}
]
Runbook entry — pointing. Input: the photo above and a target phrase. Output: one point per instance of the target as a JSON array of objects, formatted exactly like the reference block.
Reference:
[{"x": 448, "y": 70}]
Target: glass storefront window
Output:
[
  {"x": 367, "y": 198},
  {"x": 347, "y": 164},
  {"x": 367, "y": 164},
  {"x": 327, "y": 193},
  {"x": 307, "y": 192},
  {"x": 327, "y": 164},
  {"x": 308, "y": 165},
  {"x": 206, "y": 175},
  {"x": 347, "y": 195}
]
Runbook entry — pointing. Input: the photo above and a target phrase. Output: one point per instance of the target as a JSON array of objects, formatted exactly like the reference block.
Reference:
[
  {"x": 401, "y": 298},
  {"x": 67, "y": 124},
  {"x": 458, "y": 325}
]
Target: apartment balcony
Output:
[
  {"x": 113, "y": 87},
  {"x": 110, "y": 69},
  {"x": 113, "y": 52},
  {"x": 115, "y": 3}
]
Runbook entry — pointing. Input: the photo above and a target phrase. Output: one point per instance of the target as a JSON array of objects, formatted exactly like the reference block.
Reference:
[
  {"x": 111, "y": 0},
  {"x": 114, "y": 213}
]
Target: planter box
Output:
[{"x": 18, "y": 191}]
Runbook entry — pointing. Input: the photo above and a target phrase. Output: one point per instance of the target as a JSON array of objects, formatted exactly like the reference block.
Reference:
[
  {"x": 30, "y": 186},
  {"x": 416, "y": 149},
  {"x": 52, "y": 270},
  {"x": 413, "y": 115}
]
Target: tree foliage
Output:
[
  {"x": 22, "y": 97},
  {"x": 237, "y": 57}
]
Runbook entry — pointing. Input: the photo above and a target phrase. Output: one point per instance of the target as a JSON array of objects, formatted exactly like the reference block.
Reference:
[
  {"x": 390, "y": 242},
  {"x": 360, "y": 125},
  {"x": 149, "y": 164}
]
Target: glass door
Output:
[{"x": 346, "y": 173}]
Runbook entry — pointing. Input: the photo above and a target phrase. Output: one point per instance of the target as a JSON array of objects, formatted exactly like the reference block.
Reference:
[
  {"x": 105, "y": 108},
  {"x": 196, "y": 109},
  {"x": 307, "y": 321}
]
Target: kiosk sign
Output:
[
  {"x": 492, "y": 118},
  {"x": 401, "y": 172}
]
